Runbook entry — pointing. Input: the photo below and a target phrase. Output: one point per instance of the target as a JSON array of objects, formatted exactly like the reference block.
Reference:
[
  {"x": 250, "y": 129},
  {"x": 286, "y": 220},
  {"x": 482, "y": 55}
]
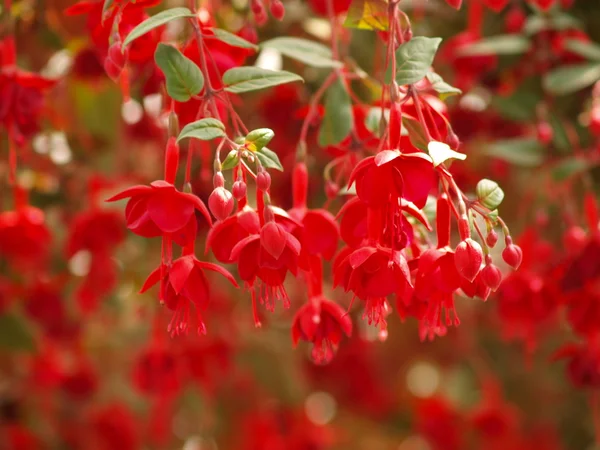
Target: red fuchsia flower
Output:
[
  {"x": 371, "y": 274},
  {"x": 496, "y": 422},
  {"x": 20, "y": 438},
  {"x": 114, "y": 426},
  {"x": 21, "y": 99},
  {"x": 392, "y": 175},
  {"x": 182, "y": 285},
  {"x": 24, "y": 237},
  {"x": 436, "y": 282},
  {"x": 322, "y": 323},
  {"x": 353, "y": 224},
  {"x": 81, "y": 382},
  {"x": 440, "y": 424},
  {"x": 468, "y": 69},
  {"x": 161, "y": 210},
  {"x": 157, "y": 371},
  {"x": 583, "y": 363},
  {"x": 268, "y": 256},
  {"x": 319, "y": 233},
  {"x": 96, "y": 230},
  {"x": 101, "y": 26}
]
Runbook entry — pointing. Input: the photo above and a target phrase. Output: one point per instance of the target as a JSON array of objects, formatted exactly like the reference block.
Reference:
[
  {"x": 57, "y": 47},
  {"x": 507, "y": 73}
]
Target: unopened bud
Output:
[
  {"x": 468, "y": 257},
  {"x": 544, "y": 133},
  {"x": 220, "y": 203},
  {"x": 512, "y": 254},
  {"x": 492, "y": 238},
  {"x": 218, "y": 180},
  {"x": 277, "y": 9},
  {"x": 263, "y": 181},
  {"x": 491, "y": 275},
  {"x": 239, "y": 190}
]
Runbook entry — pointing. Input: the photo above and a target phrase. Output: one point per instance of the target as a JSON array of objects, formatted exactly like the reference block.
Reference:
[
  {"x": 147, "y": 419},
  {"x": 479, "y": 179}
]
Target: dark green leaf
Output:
[
  {"x": 489, "y": 194},
  {"x": 505, "y": 44},
  {"x": 414, "y": 58},
  {"x": 14, "y": 334},
  {"x": 246, "y": 79},
  {"x": 231, "y": 160},
  {"x": 338, "y": 118},
  {"x": 569, "y": 167},
  {"x": 308, "y": 52},
  {"x": 257, "y": 139},
  {"x": 373, "y": 119},
  {"x": 558, "y": 21},
  {"x": 588, "y": 50},
  {"x": 156, "y": 21},
  {"x": 203, "y": 129},
  {"x": 568, "y": 79},
  {"x": 441, "y": 87},
  {"x": 183, "y": 77},
  {"x": 521, "y": 152},
  {"x": 269, "y": 159},
  {"x": 415, "y": 131},
  {"x": 233, "y": 39}
]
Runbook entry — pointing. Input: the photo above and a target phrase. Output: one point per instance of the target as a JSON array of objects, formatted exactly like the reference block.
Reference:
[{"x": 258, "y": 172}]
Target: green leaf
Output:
[
  {"x": 269, "y": 159},
  {"x": 367, "y": 15},
  {"x": 183, "y": 77},
  {"x": 415, "y": 131},
  {"x": 441, "y": 152},
  {"x": 489, "y": 194},
  {"x": 569, "y": 167},
  {"x": 338, "y": 118},
  {"x": 504, "y": 44},
  {"x": 156, "y": 21},
  {"x": 106, "y": 8},
  {"x": 521, "y": 152},
  {"x": 308, "y": 52},
  {"x": 441, "y": 87},
  {"x": 203, "y": 129},
  {"x": 569, "y": 79},
  {"x": 558, "y": 21},
  {"x": 588, "y": 50},
  {"x": 246, "y": 79},
  {"x": 233, "y": 39},
  {"x": 373, "y": 118},
  {"x": 414, "y": 58},
  {"x": 14, "y": 334},
  {"x": 257, "y": 139},
  {"x": 231, "y": 160}
]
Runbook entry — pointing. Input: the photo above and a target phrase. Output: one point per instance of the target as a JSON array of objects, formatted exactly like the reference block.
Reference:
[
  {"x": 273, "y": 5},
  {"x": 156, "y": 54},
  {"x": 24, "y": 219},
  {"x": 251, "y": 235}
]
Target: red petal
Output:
[
  {"x": 200, "y": 206},
  {"x": 130, "y": 192},
  {"x": 273, "y": 239},
  {"x": 170, "y": 211},
  {"x": 180, "y": 272},
  {"x": 385, "y": 156},
  {"x": 152, "y": 279},
  {"x": 218, "y": 269},
  {"x": 360, "y": 167},
  {"x": 235, "y": 251},
  {"x": 358, "y": 257}
]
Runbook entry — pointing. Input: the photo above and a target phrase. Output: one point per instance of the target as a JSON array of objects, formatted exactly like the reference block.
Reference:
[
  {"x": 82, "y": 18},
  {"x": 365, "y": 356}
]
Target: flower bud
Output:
[
  {"x": 277, "y": 9},
  {"x": 331, "y": 189},
  {"x": 452, "y": 139},
  {"x": 220, "y": 203},
  {"x": 299, "y": 185},
  {"x": 218, "y": 180},
  {"x": 515, "y": 20},
  {"x": 512, "y": 254},
  {"x": 112, "y": 70},
  {"x": 408, "y": 34},
  {"x": 574, "y": 239},
  {"x": 544, "y": 133},
  {"x": 263, "y": 181},
  {"x": 257, "y": 7},
  {"x": 595, "y": 121},
  {"x": 468, "y": 257},
  {"x": 118, "y": 55},
  {"x": 239, "y": 190},
  {"x": 491, "y": 275},
  {"x": 491, "y": 239}
]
